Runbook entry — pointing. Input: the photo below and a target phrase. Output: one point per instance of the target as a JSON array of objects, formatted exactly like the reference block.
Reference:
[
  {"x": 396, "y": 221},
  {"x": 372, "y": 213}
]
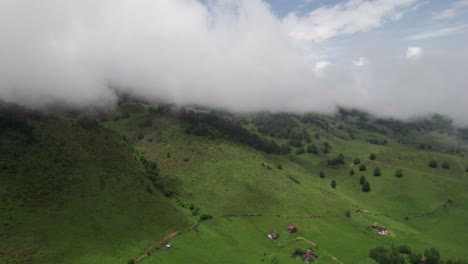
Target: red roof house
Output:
[{"x": 292, "y": 229}]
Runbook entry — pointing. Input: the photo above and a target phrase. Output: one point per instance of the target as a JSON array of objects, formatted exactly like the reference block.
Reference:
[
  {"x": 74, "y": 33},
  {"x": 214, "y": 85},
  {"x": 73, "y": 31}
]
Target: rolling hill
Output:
[{"x": 213, "y": 183}]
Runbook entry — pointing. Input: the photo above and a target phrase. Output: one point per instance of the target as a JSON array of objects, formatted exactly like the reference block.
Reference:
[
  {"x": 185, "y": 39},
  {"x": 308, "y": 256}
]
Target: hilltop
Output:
[{"x": 112, "y": 187}]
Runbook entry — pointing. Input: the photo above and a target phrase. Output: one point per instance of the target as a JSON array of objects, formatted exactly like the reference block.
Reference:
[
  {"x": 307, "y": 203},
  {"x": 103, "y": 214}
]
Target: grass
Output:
[
  {"x": 77, "y": 196},
  {"x": 77, "y": 186}
]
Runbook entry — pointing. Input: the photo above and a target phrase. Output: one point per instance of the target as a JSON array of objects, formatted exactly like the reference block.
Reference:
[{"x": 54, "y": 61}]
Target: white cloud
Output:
[
  {"x": 345, "y": 18},
  {"x": 445, "y": 14},
  {"x": 321, "y": 65},
  {"x": 453, "y": 11},
  {"x": 361, "y": 62},
  {"x": 438, "y": 33},
  {"x": 233, "y": 54},
  {"x": 461, "y": 3},
  {"x": 414, "y": 52}
]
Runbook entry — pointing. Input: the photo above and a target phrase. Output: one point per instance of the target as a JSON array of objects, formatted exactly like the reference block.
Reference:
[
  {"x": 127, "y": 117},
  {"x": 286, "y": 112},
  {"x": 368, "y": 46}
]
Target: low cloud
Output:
[
  {"x": 442, "y": 32},
  {"x": 414, "y": 52},
  {"x": 233, "y": 54}
]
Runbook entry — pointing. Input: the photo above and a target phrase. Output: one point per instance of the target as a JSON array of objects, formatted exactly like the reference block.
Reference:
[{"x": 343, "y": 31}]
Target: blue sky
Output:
[{"x": 439, "y": 26}]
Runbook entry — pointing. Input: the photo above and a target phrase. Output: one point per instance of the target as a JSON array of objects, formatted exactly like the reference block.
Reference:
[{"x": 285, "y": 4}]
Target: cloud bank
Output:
[{"x": 233, "y": 54}]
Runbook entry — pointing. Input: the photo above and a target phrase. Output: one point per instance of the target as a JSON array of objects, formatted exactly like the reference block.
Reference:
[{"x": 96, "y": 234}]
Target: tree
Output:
[
  {"x": 404, "y": 249},
  {"x": 362, "y": 180},
  {"x": 312, "y": 149},
  {"x": 351, "y": 172},
  {"x": 357, "y": 161},
  {"x": 432, "y": 256},
  {"x": 300, "y": 151},
  {"x": 339, "y": 160},
  {"x": 372, "y": 156},
  {"x": 415, "y": 258},
  {"x": 399, "y": 173},
  {"x": 445, "y": 165},
  {"x": 322, "y": 174},
  {"x": 348, "y": 214},
  {"x": 433, "y": 163},
  {"x": 326, "y": 147},
  {"x": 333, "y": 184},
  {"x": 362, "y": 167},
  {"x": 377, "y": 171},
  {"x": 366, "y": 186}
]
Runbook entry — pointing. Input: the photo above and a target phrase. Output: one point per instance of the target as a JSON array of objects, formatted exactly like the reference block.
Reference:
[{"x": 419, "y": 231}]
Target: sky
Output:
[{"x": 393, "y": 58}]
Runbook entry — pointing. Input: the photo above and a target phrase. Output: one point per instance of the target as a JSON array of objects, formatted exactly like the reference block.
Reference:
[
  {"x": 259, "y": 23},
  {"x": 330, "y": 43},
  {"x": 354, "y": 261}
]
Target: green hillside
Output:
[
  {"x": 79, "y": 191},
  {"x": 74, "y": 192}
]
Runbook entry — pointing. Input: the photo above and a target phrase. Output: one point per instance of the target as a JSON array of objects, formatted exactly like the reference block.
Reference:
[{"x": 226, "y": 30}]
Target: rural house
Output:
[
  {"x": 272, "y": 235},
  {"x": 292, "y": 229}
]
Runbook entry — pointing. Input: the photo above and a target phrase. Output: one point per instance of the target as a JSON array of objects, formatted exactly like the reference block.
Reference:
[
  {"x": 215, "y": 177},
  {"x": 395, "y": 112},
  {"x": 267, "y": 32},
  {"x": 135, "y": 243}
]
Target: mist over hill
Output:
[{"x": 236, "y": 55}]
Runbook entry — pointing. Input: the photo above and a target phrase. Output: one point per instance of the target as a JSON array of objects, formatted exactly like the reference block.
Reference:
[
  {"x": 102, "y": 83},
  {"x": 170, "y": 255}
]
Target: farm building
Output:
[
  {"x": 292, "y": 229},
  {"x": 272, "y": 235}
]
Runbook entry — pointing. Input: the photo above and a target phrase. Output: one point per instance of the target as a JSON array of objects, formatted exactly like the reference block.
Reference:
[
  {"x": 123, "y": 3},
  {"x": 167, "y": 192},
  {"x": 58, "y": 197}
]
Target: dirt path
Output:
[{"x": 154, "y": 248}]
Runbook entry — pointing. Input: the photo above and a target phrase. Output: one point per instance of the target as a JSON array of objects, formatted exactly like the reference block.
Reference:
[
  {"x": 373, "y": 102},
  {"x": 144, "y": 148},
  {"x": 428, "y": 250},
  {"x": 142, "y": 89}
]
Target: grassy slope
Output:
[
  {"x": 79, "y": 196},
  {"x": 221, "y": 178},
  {"x": 76, "y": 196}
]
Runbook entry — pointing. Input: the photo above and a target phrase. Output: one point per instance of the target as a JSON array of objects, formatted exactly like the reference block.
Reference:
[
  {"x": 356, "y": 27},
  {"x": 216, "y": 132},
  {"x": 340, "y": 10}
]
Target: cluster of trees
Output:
[
  {"x": 16, "y": 118},
  {"x": 434, "y": 164},
  {"x": 365, "y": 185},
  {"x": 338, "y": 160},
  {"x": 278, "y": 125},
  {"x": 403, "y": 254},
  {"x": 378, "y": 142},
  {"x": 214, "y": 125}
]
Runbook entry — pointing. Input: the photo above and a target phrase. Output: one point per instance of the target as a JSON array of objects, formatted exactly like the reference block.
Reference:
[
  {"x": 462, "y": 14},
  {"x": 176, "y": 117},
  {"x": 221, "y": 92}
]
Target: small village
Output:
[{"x": 306, "y": 256}]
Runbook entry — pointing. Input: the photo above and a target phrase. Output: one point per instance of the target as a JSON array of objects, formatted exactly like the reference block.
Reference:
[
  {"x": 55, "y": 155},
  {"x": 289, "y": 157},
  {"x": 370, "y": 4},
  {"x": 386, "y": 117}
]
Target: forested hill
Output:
[{"x": 116, "y": 186}]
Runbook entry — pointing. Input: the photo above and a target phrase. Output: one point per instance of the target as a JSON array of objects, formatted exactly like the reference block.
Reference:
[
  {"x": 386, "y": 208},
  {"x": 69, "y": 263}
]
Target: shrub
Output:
[
  {"x": 398, "y": 173},
  {"x": 348, "y": 213},
  {"x": 362, "y": 180},
  {"x": 300, "y": 151},
  {"x": 362, "y": 167},
  {"x": 377, "y": 171},
  {"x": 326, "y": 147},
  {"x": 333, "y": 184},
  {"x": 312, "y": 149},
  {"x": 445, "y": 165},
  {"x": 131, "y": 261},
  {"x": 317, "y": 135},
  {"x": 433, "y": 163},
  {"x": 204, "y": 217},
  {"x": 357, "y": 161},
  {"x": 322, "y": 174},
  {"x": 339, "y": 160},
  {"x": 294, "y": 179},
  {"x": 404, "y": 250},
  {"x": 279, "y": 167},
  {"x": 415, "y": 259},
  {"x": 351, "y": 172},
  {"x": 372, "y": 156},
  {"x": 366, "y": 186},
  {"x": 298, "y": 252}
]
